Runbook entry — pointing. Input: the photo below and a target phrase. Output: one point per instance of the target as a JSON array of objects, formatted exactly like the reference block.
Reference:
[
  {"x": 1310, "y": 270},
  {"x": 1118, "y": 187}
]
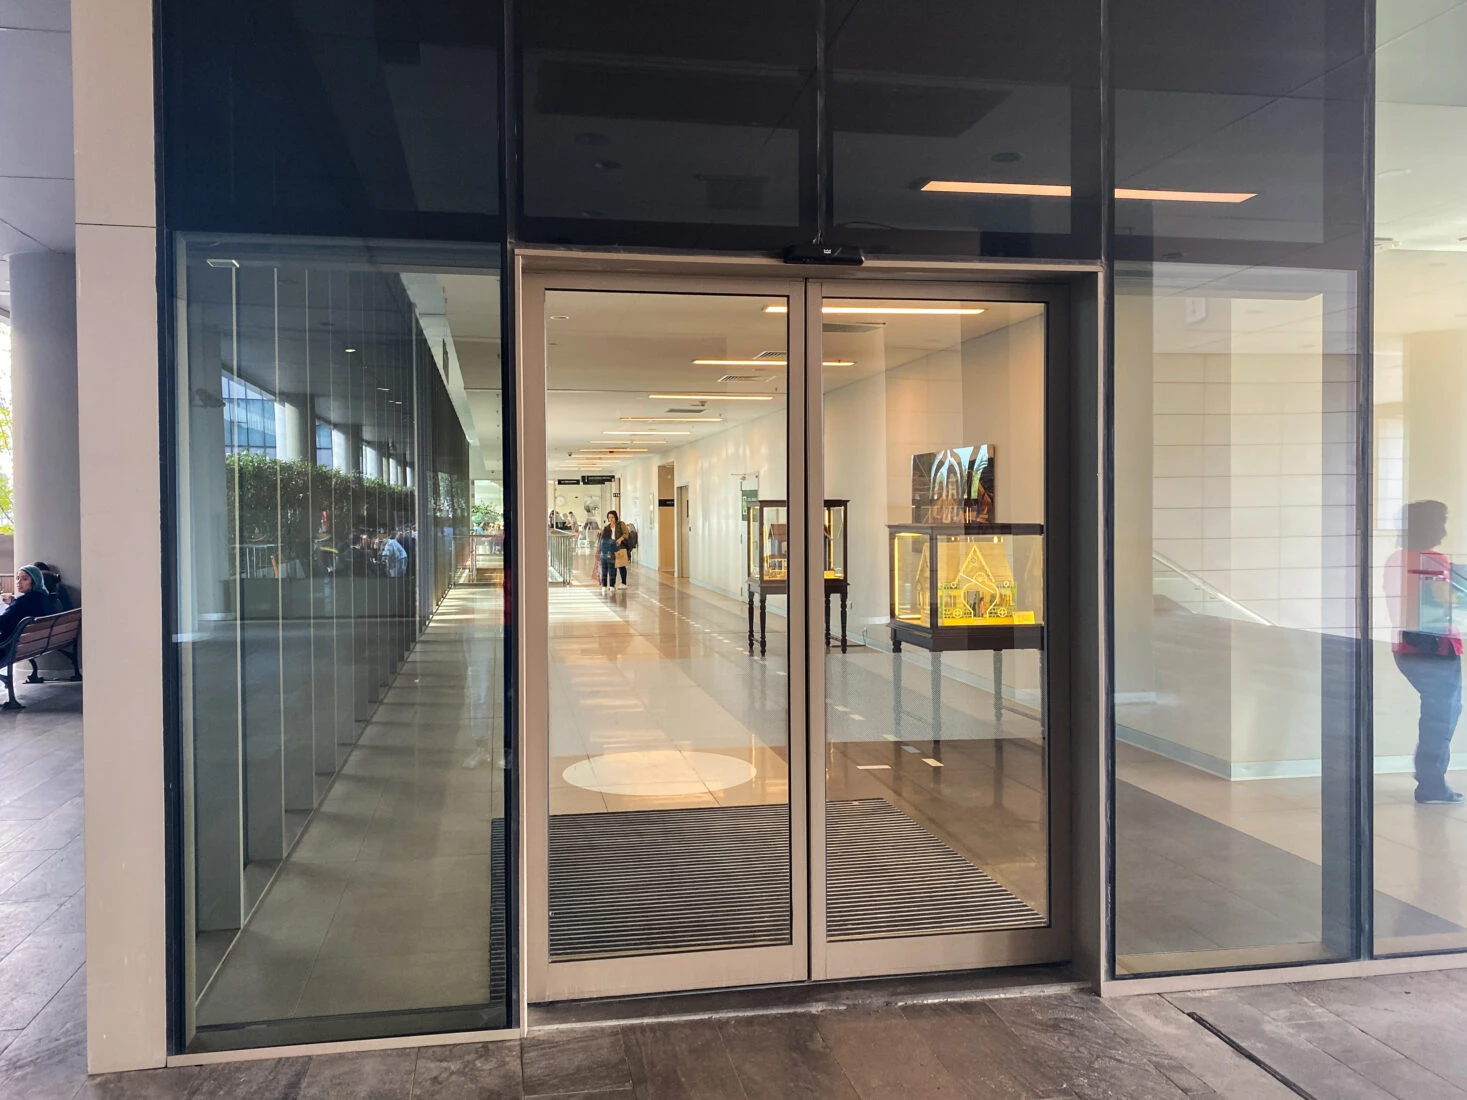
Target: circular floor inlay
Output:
[{"x": 659, "y": 772}]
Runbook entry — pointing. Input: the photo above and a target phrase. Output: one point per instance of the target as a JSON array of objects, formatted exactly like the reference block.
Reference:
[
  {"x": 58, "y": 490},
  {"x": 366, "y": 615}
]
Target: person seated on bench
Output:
[
  {"x": 59, "y": 597},
  {"x": 30, "y": 601}
]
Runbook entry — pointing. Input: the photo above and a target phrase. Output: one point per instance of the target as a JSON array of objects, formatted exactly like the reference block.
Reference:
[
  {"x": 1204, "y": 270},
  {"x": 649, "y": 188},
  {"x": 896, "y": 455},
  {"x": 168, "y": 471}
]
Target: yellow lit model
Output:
[{"x": 967, "y": 586}]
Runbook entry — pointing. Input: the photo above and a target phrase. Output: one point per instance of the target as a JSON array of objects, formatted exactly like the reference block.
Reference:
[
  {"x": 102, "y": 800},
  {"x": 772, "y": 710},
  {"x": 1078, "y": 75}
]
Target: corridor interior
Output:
[
  {"x": 670, "y": 711},
  {"x": 384, "y": 903}
]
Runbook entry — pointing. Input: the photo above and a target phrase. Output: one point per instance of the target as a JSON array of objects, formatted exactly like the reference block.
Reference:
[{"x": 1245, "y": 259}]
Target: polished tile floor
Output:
[
  {"x": 1260, "y": 902},
  {"x": 384, "y": 903},
  {"x": 657, "y": 703}
]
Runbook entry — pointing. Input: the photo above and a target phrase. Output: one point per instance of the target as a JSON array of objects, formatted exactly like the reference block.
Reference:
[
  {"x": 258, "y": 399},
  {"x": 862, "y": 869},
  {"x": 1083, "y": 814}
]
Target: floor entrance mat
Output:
[
  {"x": 888, "y": 876},
  {"x": 645, "y": 882}
]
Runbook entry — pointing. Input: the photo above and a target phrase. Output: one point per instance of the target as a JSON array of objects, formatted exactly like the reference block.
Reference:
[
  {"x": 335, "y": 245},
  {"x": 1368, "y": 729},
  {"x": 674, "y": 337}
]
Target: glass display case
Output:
[
  {"x": 836, "y": 539},
  {"x": 769, "y": 542},
  {"x": 768, "y": 547},
  {"x": 967, "y": 586}
]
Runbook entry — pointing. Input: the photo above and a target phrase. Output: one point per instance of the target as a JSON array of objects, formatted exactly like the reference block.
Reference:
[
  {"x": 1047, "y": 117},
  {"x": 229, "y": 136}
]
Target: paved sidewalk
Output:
[{"x": 1401, "y": 1037}]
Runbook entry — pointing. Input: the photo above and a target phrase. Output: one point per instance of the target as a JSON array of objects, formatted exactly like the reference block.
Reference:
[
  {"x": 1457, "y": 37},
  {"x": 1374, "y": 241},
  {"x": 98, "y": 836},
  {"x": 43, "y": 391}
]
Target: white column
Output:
[
  {"x": 117, "y": 399},
  {"x": 47, "y": 485},
  {"x": 295, "y": 435}
]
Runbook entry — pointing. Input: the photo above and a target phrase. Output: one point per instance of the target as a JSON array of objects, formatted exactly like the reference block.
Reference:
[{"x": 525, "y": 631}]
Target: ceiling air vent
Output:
[{"x": 742, "y": 378}]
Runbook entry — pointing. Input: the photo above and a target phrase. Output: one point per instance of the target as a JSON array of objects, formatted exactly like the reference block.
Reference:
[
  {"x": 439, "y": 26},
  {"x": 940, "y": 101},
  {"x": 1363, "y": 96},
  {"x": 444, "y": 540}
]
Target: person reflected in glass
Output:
[
  {"x": 614, "y": 556},
  {"x": 1420, "y": 593},
  {"x": 393, "y": 557}
]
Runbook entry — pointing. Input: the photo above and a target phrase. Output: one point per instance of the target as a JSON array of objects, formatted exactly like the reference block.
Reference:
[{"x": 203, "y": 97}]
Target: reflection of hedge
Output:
[{"x": 281, "y": 502}]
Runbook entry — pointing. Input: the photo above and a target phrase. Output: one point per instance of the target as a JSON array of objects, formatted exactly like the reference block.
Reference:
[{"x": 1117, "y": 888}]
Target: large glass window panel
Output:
[
  {"x": 689, "y": 114},
  {"x": 937, "y": 764},
  {"x": 281, "y": 109},
  {"x": 341, "y": 690},
  {"x": 1239, "y": 122},
  {"x": 1419, "y": 500},
  {"x": 668, "y": 598},
  {"x": 1235, "y": 596},
  {"x": 949, "y": 117}
]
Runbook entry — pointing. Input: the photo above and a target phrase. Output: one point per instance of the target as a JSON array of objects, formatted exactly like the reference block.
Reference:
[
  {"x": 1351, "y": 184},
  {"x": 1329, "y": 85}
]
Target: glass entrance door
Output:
[
  {"x": 673, "y": 827},
  {"x": 857, "y": 477},
  {"x": 935, "y": 733}
]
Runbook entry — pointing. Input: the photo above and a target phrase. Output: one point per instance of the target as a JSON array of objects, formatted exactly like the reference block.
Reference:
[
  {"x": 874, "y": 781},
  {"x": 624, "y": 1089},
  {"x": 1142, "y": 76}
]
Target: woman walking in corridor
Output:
[{"x": 614, "y": 554}]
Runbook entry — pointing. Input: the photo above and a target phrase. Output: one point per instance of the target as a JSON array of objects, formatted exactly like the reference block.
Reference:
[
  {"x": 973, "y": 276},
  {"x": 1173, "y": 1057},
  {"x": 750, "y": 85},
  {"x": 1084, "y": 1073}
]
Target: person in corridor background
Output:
[
  {"x": 614, "y": 556},
  {"x": 1427, "y": 647}
]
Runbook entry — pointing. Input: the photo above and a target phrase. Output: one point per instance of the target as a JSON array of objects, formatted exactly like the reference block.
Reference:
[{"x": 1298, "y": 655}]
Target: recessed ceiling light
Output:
[
  {"x": 642, "y": 431},
  {"x": 766, "y": 362},
  {"x": 560, "y": 316},
  {"x": 709, "y": 397},
  {"x": 672, "y": 420},
  {"x": 1062, "y": 191},
  {"x": 350, "y": 351},
  {"x": 922, "y": 311},
  {"x": 966, "y": 187},
  {"x": 383, "y": 389}
]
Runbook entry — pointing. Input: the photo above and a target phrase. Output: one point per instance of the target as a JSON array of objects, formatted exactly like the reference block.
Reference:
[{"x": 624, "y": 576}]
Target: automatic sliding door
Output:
[
  {"x": 937, "y": 757},
  {"x": 670, "y": 845}
]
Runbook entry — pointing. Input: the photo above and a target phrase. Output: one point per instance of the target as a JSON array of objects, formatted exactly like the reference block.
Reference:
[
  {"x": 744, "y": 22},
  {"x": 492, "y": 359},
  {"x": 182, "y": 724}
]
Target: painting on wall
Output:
[{"x": 954, "y": 485}]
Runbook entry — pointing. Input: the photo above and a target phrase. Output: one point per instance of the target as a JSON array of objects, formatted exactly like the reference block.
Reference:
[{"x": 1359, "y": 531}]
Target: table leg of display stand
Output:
[
  {"x": 937, "y": 705},
  {"x": 751, "y": 622},
  {"x": 998, "y": 727},
  {"x": 998, "y": 687},
  {"x": 842, "y": 622},
  {"x": 827, "y": 620},
  {"x": 763, "y": 623},
  {"x": 896, "y": 687}
]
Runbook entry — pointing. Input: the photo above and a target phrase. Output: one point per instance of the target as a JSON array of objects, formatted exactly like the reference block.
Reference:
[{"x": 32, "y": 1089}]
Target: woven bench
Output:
[{"x": 35, "y": 637}]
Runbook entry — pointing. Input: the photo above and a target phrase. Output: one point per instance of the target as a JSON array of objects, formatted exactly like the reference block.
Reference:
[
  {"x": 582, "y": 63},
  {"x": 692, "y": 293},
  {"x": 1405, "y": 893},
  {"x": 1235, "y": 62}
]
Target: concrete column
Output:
[
  {"x": 295, "y": 436},
  {"x": 1135, "y": 373},
  {"x": 47, "y": 489},
  {"x": 346, "y": 448},
  {"x": 1435, "y": 402}
]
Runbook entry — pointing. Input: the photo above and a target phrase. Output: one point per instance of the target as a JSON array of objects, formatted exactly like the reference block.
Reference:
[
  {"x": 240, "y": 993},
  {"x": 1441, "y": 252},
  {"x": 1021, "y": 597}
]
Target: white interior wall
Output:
[
  {"x": 711, "y": 468},
  {"x": 1236, "y": 495},
  {"x": 990, "y": 390}
]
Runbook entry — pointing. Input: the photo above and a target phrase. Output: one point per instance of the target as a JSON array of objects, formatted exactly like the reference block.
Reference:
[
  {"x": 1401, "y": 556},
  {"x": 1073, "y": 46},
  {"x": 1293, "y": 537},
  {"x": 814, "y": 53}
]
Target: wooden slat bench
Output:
[{"x": 35, "y": 637}]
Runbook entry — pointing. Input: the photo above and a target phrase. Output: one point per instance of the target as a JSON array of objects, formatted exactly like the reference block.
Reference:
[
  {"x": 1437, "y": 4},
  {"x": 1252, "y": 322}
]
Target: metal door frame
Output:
[
  {"x": 809, "y": 956},
  {"x": 959, "y": 951},
  {"x": 574, "y": 979}
]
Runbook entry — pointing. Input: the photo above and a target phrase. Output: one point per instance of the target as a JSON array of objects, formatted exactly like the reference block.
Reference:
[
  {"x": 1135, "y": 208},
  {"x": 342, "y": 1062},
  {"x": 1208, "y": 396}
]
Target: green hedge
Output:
[{"x": 281, "y": 502}]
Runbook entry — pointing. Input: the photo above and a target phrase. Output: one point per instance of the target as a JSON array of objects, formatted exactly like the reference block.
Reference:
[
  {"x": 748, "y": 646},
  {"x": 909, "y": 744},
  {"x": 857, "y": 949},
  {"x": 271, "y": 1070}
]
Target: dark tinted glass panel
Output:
[
  {"x": 946, "y": 115},
  {"x": 1419, "y": 513},
  {"x": 332, "y": 108},
  {"x": 690, "y": 114},
  {"x": 1237, "y": 599},
  {"x": 340, "y": 643},
  {"x": 1240, "y": 121}
]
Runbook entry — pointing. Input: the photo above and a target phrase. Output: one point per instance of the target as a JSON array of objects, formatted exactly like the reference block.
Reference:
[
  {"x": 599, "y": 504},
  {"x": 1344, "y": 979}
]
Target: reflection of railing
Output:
[
  {"x": 1188, "y": 590},
  {"x": 562, "y": 556},
  {"x": 480, "y": 558},
  {"x": 257, "y": 559}
]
